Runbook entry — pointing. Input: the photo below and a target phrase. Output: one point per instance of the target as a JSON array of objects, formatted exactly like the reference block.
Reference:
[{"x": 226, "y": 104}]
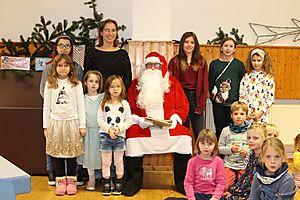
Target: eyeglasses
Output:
[
  {"x": 107, "y": 30},
  {"x": 155, "y": 65},
  {"x": 64, "y": 46}
]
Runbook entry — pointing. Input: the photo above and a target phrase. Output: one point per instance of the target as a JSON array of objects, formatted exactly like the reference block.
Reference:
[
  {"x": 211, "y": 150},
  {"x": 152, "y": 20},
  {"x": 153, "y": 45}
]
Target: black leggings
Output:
[
  {"x": 59, "y": 166},
  {"x": 221, "y": 117}
]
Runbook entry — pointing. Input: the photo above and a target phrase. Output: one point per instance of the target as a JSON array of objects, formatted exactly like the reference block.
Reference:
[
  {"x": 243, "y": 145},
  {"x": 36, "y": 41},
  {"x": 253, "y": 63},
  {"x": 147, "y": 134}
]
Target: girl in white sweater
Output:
[{"x": 64, "y": 121}]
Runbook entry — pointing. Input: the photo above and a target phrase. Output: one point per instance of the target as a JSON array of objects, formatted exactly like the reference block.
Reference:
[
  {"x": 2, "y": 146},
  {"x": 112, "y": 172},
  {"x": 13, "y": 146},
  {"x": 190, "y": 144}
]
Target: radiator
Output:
[{"x": 286, "y": 117}]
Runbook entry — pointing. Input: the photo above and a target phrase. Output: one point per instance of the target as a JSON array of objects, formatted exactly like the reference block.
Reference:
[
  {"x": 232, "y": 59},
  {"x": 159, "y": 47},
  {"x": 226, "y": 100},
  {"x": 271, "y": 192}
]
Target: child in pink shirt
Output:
[{"x": 205, "y": 175}]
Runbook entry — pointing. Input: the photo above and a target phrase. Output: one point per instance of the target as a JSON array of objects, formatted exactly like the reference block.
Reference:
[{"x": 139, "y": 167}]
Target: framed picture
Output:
[
  {"x": 19, "y": 63},
  {"x": 41, "y": 63}
]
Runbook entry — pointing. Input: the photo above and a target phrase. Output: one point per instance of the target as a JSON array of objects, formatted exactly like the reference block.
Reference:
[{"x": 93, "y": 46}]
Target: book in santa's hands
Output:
[{"x": 159, "y": 123}]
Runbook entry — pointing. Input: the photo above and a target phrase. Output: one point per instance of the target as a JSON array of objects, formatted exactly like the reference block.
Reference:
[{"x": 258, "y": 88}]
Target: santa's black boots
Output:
[
  {"x": 180, "y": 165},
  {"x": 133, "y": 175}
]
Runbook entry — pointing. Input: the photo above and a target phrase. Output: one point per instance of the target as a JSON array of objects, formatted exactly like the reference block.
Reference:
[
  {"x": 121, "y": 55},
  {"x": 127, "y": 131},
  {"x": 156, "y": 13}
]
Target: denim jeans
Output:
[
  {"x": 49, "y": 162},
  {"x": 108, "y": 144},
  {"x": 197, "y": 120}
]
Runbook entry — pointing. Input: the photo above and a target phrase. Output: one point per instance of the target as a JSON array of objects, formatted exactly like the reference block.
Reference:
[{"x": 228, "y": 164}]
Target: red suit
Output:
[
  {"x": 155, "y": 140},
  {"x": 170, "y": 104}
]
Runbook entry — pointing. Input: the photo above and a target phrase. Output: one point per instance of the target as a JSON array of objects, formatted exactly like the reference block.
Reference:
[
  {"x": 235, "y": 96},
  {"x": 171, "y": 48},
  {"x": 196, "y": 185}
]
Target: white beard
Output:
[{"x": 152, "y": 87}]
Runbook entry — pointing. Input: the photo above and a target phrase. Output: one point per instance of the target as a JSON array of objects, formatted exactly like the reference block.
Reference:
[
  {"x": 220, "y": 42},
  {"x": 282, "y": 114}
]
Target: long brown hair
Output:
[
  {"x": 267, "y": 62},
  {"x": 107, "y": 95},
  {"x": 101, "y": 28},
  {"x": 52, "y": 78},
  {"x": 197, "y": 58}
]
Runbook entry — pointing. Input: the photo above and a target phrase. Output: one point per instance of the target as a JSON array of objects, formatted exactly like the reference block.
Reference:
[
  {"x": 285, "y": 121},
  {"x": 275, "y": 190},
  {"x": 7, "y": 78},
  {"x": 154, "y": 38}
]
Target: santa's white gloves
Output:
[
  {"x": 141, "y": 121},
  {"x": 175, "y": 119}
]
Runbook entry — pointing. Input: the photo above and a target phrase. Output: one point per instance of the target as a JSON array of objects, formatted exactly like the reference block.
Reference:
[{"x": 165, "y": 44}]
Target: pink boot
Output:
[
  {"x": 71, "y": 185},
  {"x": 61, "y": 186}
]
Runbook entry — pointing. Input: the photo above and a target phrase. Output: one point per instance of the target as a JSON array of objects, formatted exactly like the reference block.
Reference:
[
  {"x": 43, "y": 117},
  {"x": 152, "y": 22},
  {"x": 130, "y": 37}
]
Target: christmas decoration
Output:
[{"x": 221, "y": 35}]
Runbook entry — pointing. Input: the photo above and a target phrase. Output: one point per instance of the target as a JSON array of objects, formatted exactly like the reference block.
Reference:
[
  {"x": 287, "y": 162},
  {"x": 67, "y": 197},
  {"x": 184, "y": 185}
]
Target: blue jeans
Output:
[
  {"x": 108, "y": 144},
  {"x": 49, "y": 163},
  {"x": 195, "y": 119}
]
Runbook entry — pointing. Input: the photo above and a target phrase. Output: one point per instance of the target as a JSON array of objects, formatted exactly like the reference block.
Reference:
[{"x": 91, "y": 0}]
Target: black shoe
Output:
[
  {"x": 106, "y": 187},
  {"x": 79, "y": 181},
  {"x": 118, "y": 187},
  {"x": 51, "y": 178}
]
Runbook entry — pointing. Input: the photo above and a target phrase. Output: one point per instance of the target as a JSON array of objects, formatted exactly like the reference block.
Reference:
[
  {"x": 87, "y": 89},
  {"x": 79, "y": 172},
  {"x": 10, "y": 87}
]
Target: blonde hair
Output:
[
  {"x": 239, "y": 105},
  {"x": 206, "y": 135},
  {"x": 259, "y": 128},
  {"x": 52, "y": 78},
  {"x": 100, "y": 79},
  {"x": 296, "y": 142},
  {"x": 272, "y": 127},
  {"x": 276, "y": 144}
]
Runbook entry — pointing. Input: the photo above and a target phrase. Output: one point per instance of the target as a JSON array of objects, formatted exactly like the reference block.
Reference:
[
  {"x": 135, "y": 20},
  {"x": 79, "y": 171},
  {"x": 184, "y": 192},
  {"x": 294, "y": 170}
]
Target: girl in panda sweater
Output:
[{"x": 114, "y": 117}]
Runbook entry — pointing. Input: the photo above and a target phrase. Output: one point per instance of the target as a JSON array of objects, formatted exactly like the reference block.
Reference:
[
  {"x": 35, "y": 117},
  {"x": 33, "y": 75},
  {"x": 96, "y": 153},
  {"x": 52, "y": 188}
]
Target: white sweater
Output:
[{"x": 64, "y": 103}]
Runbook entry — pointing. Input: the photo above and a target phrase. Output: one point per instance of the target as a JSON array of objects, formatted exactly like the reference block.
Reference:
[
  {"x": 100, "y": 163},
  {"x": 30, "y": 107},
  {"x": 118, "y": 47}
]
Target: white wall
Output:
[
  {"x": 19, "y": 17},
  {"x": 156, "y": 20}
]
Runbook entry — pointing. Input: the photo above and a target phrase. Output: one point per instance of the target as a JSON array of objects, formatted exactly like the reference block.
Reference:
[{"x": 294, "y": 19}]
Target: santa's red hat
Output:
[{"x": 154, "y": 57}]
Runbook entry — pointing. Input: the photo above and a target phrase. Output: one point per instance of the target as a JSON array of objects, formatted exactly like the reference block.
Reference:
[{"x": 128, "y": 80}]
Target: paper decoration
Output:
[
  {"x": 19, "y": 63},
  {"x": 41, "y": 63},
  {"x": 78, "y": 54}
]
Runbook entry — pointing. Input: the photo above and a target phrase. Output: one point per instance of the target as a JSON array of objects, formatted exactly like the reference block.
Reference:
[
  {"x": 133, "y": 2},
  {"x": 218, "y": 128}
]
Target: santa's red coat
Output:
[{"x": 175, "y": 102}]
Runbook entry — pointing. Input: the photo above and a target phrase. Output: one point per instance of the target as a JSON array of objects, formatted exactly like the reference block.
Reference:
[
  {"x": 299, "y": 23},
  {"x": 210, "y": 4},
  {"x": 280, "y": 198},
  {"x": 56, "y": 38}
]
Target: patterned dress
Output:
[
  {"x": 241, "y": 189},
  {"x": 257, "y": 90}
]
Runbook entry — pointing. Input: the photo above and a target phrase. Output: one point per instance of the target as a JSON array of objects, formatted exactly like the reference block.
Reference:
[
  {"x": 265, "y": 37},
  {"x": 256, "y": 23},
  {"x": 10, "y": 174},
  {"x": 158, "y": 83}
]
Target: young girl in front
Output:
[
  {"x": 296, "y": 160},
  {"x": 64, "y": 121},
  {"x": 205, "y": 175},
  {"x": 91, "y": 158},
  {"x": 256, "y": 135},
  {"x": 190, "y": 69},
  {"x": 224, "y": 77},
  {"x": 114, "y": 117},
  {"x": 257, "y": 88},
  {"x": 272, "y": 180}
]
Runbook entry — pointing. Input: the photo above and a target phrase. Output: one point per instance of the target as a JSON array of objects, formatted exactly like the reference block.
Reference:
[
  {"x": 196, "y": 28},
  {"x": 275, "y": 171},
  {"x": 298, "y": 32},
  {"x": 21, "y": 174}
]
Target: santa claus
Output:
[{"x": 156, "y": 96}]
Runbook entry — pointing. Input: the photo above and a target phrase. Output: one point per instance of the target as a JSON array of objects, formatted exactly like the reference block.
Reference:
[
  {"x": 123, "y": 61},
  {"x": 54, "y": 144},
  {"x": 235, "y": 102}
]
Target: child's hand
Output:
[
  {"x": 213, "y": 198},
  {"x": 235, "y": 148},
  {"x": 45, "y": 132},
  {"x": 243, "y": 153},
  {"x": 117, "y": 130},
  {"x": 227, "y": 194},
  {"x": 111, "y": 133},
  {"x": 82, "y": 131}
]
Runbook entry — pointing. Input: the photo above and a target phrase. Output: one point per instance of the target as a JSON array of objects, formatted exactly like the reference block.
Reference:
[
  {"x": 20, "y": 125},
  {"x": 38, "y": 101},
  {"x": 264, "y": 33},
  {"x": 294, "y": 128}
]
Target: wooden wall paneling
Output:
[
  {"x": 294, "y": 68},
  {"x": 131, "y": 49},
  {"x": 274, "y": 58},
  {"x": 287, "y": 73},
  {"x": 279, "y": 72}
]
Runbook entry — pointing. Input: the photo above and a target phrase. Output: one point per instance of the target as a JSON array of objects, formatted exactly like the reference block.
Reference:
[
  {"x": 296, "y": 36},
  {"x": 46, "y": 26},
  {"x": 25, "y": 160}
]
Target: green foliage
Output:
[
  {"x": 221, "y": 35},
  {"x": 44, "y": 33}
]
